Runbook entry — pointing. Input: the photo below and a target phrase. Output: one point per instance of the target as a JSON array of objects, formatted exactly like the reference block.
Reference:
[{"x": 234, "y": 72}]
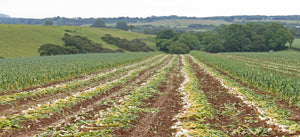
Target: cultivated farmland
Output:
[{"x": 150, "y": 94}]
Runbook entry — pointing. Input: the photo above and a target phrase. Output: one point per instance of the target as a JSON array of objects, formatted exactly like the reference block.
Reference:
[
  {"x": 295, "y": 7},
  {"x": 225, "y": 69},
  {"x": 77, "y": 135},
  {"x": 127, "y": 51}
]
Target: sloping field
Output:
[
  {"x": 159, "y": 95},
  {"x": 24, "y": 40}
]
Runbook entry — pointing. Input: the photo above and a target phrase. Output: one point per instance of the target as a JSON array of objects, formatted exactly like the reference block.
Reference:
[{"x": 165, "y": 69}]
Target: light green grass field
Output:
[
  {"x": 296, "y": 44},
  {"x": 181, "y": 23},
  {"x": 24, "y": 40}
]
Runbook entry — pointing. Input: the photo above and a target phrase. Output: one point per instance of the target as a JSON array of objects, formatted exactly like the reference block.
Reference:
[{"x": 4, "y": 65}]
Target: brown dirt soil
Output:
[
  {"x": 34, "y": 127},
  {"x": 218, "y": 97},
  {"x": 280, "y": 103},
  {"x": 160, "y": 123}
]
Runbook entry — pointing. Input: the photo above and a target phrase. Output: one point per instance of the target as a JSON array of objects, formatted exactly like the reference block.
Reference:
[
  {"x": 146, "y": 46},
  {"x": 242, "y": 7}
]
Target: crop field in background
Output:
[{"x": 151, "y": 94}]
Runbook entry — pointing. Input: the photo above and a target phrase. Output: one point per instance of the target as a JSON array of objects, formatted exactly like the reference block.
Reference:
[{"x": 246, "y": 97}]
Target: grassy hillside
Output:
[{"x": 24, "y": 40}]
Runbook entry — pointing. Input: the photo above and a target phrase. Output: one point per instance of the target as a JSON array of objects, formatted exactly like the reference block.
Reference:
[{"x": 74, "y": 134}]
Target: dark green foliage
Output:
[
  {"x": 99, "y": 23},
  {"x": 110, "y": 39},
  {"x": 131, "y": 27},
  {"x": 74, "y": 45},
  {"x": 179, "y": 48},
  {"x": 48, "y": 22},
  {"x": 215, "y": 47},
  {"x": 259, "y": 43},
  {"x": 51, "y": 49},
  {"x": 249, "y": 37},
  {"x": 83, "y": 44},
  {"x": 175, "y": 43},
  {"x": 166, "y": 34},
  {"x": 134, "y": 45},
  {"x": 122, "y": 25},
  {"x": 230, "y": 38},
  {"x": 190, "y": 40},
  {"x": 163, "y": 44}
]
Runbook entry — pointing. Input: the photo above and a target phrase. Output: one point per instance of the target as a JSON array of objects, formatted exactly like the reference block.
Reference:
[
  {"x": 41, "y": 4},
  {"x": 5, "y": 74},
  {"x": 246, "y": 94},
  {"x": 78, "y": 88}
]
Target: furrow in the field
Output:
[
  {"x": 21, "y": 101},
  {"x": 51, "y": 109},
  {"x": 195, "y": 108},
  {"x": 97, "y": 105},
  {"x": 159, "y": 123},
  {"x": 80, "y": 79},
  {"x": 232, "y": 115},
  {"x": 123, "y": 110},
  {"x": 277, "y": 114}
]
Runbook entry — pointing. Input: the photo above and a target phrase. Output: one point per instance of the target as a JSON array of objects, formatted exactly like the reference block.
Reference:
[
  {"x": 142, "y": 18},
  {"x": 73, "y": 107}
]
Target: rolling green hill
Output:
[{"x": 24, "y": 40}]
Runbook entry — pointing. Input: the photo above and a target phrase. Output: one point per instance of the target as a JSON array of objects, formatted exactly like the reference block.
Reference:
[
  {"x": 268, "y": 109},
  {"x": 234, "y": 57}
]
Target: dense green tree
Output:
[
  {"x": 166, "y": 34},
  {"x": 51, "y": 49},
  {"x": 122, "y": 25},
  {"x": 189, "y": 40},
  {"x": 71, "y": 50},
  {"x": 133, "y": 45},
  {"x": 131, "y": 27},
  {"x": 163, "y": 44},
  {"x": 215, "y": 47},
  {"x": 99, "y": 23},
  {"x": 259, "y": 43},
  {"x": 179, "y": 48},
  {"x": 48, "y": 22}
]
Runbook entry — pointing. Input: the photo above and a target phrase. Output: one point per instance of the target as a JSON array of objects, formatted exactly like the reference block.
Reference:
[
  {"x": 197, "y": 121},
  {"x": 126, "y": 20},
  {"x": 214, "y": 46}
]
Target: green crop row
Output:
[
  {"x": 264, "y": 104},
  {"x": 58, "y": 106},
  {"x": 123, "y": 111},
  {"x": 9, "y": 98},
  {"x": 21, "y": 73},
  {"x": 285, "y": 86},
  {"x": 196, "y": 108}
]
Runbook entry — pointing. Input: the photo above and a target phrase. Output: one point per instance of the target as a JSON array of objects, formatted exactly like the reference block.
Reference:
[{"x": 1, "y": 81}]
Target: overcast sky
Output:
[{"x": 145, "y": 8}]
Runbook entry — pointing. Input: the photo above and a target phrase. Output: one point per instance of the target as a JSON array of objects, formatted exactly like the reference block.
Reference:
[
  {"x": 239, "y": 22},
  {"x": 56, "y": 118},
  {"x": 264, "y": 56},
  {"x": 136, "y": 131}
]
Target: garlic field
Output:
[{"x": 197, "y": 94}]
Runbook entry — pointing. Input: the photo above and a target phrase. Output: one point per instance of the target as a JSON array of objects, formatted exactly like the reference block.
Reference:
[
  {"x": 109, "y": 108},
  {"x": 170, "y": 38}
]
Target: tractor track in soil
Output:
[
  {"x": 21, "y": 104},
  {"x": 168, "y": 103},
  {"x": 32, "y": 127},
  {"x": 218, "y": 96},
  {"x": 280, "y": 103}
]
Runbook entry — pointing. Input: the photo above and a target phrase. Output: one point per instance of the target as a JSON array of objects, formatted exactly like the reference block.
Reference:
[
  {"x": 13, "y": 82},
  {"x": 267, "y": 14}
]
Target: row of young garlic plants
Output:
[
  {"x": 58, "y": 106},
  {"x": 77, "y": 83},
  {"x": 23, "y": 73},
  {"x": 264, "y": 104},
  {"x": 282, "y": 85},
  {"x": 196, "y": 107},
  {"x": 122, "y": 112},
  {"x": 262, "y": 62},
  {"x": 257, "y": 64}
]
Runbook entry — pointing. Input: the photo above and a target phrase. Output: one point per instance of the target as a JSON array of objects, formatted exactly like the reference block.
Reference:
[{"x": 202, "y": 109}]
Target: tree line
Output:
[
  {"x": 82, "y": 21},
  {"x": 74, "y": 45},
  {"x": 134, "y": 45},
  {"x": 256, "y": 37},
  {"x": 79, "y": 45}
]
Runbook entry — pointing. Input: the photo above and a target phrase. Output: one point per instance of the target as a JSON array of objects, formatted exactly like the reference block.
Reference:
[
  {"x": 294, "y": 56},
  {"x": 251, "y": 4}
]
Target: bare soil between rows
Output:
[
  {"x": 219, "y": 98},
  {"x": 32, "y": 127},
  {"x": 168, "y": 103}
]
